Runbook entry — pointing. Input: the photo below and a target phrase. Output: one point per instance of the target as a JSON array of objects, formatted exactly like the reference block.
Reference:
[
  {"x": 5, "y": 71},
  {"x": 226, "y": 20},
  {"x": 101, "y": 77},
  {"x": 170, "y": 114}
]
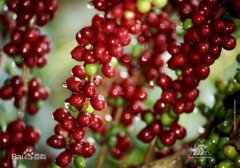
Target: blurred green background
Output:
[{"x": 70, "y": 18}]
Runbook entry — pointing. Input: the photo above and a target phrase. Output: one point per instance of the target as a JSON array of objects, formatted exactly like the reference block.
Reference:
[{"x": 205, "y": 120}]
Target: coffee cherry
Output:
[
  {"x": 89, "y": 89},
  {"x": 31, "y": 135},
  {"x": 148, "y": 118},
  {"x": 56, "y": 141},
  {"x": 16, "y": 126},
  {"x": 68, "y": 123},
  {"x": 74, "y": 84},
  {"x": 155, "y": 127},
  {"x": 96, "y": 122},
  {"x": 166, "y": 120},
  {"x": 202, "y": 161},
  {"x": 64, "y": 159},
  {"x": 87, "y": 149},
  {"x": 167, "y": 138},
  {"x": 60, "y": 114},
  {"x": 78, "y": 134},
  {"x": 225, "y": 164},
  {"x": 84, "y": 119},
  {"x": 108, "y": 70},
  {"x": 4, "y": 140},
  {"x": 76, "y": 100},
  {"x": 76, "y": 148},
  {"x": 90, "y": 69},
  {"x": 159, "y": 3},
  {"x": 237, "y": 161},
  {"x": 145, "y": 135},
  {"x": 230, "y": 151},
  {"x": 179, "y": 131},
  {"x": 223, "y": 141},
  {"x": 143, "y": 6},
  {"x": 80, "y": 162},
  {"x": 168, "y": 96},
  {"x": 78, "y": 71},
  {"x": 98, "y": 102},
  {"x": 187, "y": 24}
]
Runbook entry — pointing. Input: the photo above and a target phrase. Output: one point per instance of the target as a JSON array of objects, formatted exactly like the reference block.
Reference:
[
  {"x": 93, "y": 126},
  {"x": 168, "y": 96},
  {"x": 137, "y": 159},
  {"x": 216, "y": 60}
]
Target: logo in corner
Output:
[{"x": 200, "y": 150}]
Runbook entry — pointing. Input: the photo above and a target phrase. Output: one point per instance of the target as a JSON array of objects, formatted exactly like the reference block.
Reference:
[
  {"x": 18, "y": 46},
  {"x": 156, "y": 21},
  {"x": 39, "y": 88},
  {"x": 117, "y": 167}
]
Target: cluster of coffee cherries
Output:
[
  {"x": 83, "y": 102},
  {"x": 29, "y": 47},
  {"x": 69, "y": 134},
  {"x": 222, "y": 147},
  {"x": 42, "y": 10},
  {"x": 14, "y": 88},
  {"x": 222, "y": 143},
  {"x": 101, "y": 42},
  {"x": 126, "y": 96},
  {"x": 17, "y": 139}
]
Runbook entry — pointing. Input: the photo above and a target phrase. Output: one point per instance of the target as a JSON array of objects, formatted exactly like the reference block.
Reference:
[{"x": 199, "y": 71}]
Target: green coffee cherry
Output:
[
  {"x": 120, "y": 102},
  {"x": 166, "y": 120},
  {"x": 136, "y": 50},
  {"x": 148, "y": 118},
  {"x": 143, "y": 6},
  {"x": 187, "y": 24},
  {"x": 237, "y": 161},
  {"x": 178, "y": 72},
  {"x": 212, "y": 161},
  {"x": 230, "y": 151},
  {"x": 159, "y": 3},
  {"x": 238, "y": 58},
  {"x": 90, "y": 69},
  {"x": 80, "y": 162},
  {"x": 211, "y": 146},
  {"x": 111, "y": 141},
  {"x": 231, "y": 87},
  {"x": 18, "y": 59},
  {"x": 237, "y": 76},
  {"x": 214, "y": 138},
  {"x": 54, "y": 165},
  {"x": 202, "y": 161},
  {"x": 225, "y": 127},
  {"x": 223, "y": 141},
  {"x": 97, "y": 137},
  {"x": 220, "y": 155},
  {"x": 225, "y": 164}
]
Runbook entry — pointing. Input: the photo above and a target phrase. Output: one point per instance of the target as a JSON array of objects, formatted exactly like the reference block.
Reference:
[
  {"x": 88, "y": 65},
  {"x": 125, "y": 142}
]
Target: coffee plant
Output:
[{"x": 139, "y": 68}]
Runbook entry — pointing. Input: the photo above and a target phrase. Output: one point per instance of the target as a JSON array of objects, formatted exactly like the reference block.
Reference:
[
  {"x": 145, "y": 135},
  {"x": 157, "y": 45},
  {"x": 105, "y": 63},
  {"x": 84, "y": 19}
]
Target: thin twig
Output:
[
  {"x": 25, "y": 76},
  {"x": 150, "y": 151},
  {"x": 104, "y": 149}
]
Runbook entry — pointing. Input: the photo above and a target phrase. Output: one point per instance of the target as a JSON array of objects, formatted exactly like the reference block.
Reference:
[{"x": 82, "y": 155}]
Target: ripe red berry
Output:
[
  {"x": 167, "y": 138},
  {"x": 56, "y": 141},
  {"x": 98, "y": 102},
  {"x": 84, "y": 119},
  {"x": 179, "y": 131},
  {"x": 87, "y": 149},
  {"x": 145, "y": 135},
  {"x": 60, "y": 113},
  {"x": 78, "y": 134},
  {"x": 64, "y": 159}
]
